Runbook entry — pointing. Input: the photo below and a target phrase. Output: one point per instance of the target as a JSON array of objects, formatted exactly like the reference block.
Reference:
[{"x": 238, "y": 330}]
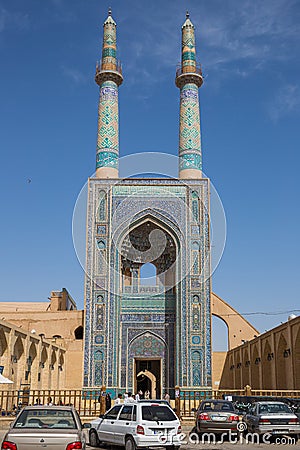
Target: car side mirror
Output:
[
  {"x": 87, "y": 425},
  {"x": 101, "y": 416},
  {"x": 193, "y": 409}
]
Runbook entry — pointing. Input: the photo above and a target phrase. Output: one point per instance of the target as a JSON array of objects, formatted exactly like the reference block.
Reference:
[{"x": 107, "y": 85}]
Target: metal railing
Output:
[
  {"x": 87, "y": 405},
  {"x": 86, "y": 402},
  {"x": 187, "y": 69},
  {"x": 114, "y": 65},
  {"x": 190, "y": 400}
]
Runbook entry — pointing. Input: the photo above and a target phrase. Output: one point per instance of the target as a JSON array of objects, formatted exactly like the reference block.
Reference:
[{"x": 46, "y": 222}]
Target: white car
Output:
[{"x": 140, "y": 424}]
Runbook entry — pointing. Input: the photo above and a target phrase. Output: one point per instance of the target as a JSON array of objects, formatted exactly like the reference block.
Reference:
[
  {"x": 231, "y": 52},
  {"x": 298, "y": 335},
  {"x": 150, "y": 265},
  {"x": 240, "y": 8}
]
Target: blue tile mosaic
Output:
[{"x": 125, "y": 326}]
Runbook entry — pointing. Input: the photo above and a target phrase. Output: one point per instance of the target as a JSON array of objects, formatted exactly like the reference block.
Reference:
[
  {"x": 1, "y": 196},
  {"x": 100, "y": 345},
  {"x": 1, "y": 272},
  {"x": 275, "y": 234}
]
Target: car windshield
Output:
[
  {"x": 158, "y": 413},
  {"x": 45, "y": 418},
  {"x": 217, "y": 406},
  {"x": 274, "y": 408}
]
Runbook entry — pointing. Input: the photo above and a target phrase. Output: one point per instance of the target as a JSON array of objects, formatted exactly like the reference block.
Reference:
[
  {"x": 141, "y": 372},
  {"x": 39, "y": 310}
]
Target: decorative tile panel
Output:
[
  {"x": 108, "y": 126},
  {"x": 101, "y": 229}
]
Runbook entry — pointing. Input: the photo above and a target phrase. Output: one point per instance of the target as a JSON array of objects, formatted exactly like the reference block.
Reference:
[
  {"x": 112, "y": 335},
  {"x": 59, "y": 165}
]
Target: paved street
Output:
[
  {"x": 229, "y": 446},
  {"x": 226, "y": 445},
  {"x": 216, "y": 446}
]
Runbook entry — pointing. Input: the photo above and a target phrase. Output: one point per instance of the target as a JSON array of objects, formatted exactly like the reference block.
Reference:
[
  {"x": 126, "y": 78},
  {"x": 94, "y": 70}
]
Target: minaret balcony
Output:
[
  {"x": 109, "y": 71},
  {"x": 189, "y": 74}
]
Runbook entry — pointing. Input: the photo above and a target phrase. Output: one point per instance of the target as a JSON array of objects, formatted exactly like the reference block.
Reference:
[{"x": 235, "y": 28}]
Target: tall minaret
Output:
[
  {"x": 189, "y": 79},
  {"x": 108, "y": 77}
]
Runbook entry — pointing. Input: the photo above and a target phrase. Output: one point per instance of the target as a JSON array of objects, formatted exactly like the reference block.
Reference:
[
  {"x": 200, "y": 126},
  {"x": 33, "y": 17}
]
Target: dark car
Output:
[
  {"x": 216, "y": 416},
  {"x": 295, "y": 407},
  {"x": 242, "y": 408}
]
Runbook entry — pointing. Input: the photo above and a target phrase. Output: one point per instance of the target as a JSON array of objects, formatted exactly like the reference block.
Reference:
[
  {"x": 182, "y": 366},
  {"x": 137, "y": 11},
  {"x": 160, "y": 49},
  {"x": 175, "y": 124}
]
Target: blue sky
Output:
[{"x": 250, "y": 111}]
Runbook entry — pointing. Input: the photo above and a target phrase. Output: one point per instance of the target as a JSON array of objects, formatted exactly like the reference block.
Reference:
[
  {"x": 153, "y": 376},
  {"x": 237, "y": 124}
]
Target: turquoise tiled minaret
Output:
[
  {"x": 189, "y": 79},
  {"x": 108, "y": 77}
]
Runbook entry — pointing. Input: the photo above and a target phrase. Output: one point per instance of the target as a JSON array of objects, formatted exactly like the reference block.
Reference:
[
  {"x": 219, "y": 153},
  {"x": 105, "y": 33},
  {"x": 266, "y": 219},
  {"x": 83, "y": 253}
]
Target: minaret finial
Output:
[
  {"x": 109, "y": 11},
  {"x": 187, "y": 15}
]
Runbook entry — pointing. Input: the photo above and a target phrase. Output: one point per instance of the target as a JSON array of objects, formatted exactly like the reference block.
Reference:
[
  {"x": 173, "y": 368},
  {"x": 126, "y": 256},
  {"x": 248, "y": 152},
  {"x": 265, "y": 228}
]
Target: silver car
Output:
[
  {"x": 272, "y": 417},
  {"x": 51, "y": 427}
]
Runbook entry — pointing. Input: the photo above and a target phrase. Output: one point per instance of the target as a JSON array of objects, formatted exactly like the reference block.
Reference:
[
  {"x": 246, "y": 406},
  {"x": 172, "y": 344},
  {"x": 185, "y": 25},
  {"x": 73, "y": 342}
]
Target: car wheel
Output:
[
  {"x": 93, "y": 439},
  {"x": 130, "y": 444},
  {"x": 198, "y": 431},
  {"x": 194, "y": 435}
]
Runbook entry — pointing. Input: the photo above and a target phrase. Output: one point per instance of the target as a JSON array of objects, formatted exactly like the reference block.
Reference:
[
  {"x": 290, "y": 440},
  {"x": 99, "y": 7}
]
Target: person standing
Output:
[
  {"x": 118, "y": 400},
  {"x": 147, "y": 394},
  {"x": 167, "y": 397},
  {"x": 130, "y": 399},
  {"x": 107, "y": 402},
  {"x": 102, "y": 400}
]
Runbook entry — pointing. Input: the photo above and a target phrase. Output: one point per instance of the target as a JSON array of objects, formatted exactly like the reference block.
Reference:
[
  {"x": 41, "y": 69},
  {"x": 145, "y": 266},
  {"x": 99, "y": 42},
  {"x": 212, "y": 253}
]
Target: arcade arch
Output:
[
  {"x": 297, "y": 358},
  {"x": 281, "y": 366}
]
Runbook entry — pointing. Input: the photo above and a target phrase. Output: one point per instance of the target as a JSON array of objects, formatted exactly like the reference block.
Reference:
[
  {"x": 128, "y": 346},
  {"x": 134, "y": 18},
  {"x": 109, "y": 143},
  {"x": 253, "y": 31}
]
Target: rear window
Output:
[
  {"x": 273, "y": 408},
  {"x": 157, "y": 413},
  {"x": 217, "y": 406},
  {"x": 45, "y": 418}
]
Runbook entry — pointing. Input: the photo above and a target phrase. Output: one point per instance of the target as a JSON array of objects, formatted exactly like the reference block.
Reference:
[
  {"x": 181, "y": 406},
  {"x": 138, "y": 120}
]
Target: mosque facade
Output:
[{"x": 147, "y": 333}]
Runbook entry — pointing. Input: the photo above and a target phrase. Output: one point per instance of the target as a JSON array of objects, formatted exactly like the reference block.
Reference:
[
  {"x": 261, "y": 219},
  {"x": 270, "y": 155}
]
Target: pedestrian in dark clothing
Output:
[{"x": 107, "y": 402}]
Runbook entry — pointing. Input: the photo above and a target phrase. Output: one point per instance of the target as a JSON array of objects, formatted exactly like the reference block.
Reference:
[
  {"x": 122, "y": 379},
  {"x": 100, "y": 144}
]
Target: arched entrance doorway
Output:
[
  {"x": 148, "y": 381},
  {"x": 149, "y": 268},
  {"x": 148, "y": 353}
]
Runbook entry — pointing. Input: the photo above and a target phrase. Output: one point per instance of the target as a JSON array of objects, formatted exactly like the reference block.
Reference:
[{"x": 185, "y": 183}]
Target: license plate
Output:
[
  {"x": 158, "y": 431},
  {"x": 280, "y": 431},
  {"x": 219, "y": 418}
]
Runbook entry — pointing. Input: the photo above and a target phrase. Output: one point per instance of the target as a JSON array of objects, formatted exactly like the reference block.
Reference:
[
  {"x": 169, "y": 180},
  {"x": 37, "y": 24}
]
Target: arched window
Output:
[
  {"x": 102, "y": 206},
  {"x": 196, "y": 257},
  {"x": 196, "y": 368},
  {"x": 79, "y": 333},
  {"x": 98, "y": 355},
  {"x": 101, "y": 256},
  {"x": 148, "y": 274},
  {"x": 100, "y": 298},
  {"x": 195, "y": 206}
]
